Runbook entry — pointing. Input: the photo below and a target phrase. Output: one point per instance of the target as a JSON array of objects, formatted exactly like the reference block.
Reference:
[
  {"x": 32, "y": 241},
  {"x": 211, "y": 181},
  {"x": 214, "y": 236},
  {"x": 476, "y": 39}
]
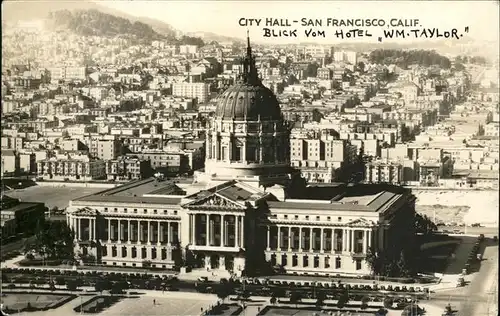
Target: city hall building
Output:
[{"x": 246, "y": 209}]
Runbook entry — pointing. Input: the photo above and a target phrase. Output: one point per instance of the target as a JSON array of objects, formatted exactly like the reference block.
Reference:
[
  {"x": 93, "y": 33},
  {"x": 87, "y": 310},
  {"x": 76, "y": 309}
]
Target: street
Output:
[
  {"x": 16, "y": 245},
  {"x": 487, "y": 231},
  {"x": 482, "y": 284}
]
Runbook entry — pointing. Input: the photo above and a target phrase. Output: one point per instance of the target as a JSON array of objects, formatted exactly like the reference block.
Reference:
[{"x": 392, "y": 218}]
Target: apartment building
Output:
[
  {"x": 71, "y": 169},
  {"x": 128, "y": 168},
  {"x": 384, "y": 172},
  {"x": 195, "y": 90},
  {"x": 164, "y": 162},
  {"x": 320, "y": 159}
]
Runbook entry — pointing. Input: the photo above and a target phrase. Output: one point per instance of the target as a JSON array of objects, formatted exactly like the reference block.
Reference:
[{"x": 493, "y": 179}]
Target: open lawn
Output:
[
  {"x": 165, "y": 306},
  {"x": 19, "y": 301},
  {"x": 459, "y": 205},
  {"x": 436, "y": 250},
  {"x": 52, "y": 196}
]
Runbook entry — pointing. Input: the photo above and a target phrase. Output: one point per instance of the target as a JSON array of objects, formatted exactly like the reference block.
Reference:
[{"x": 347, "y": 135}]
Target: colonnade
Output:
[
  {"x": 127, "y": 230},
  {"x": 300, "y": 238},
  {"x": 221, "y": 230}
]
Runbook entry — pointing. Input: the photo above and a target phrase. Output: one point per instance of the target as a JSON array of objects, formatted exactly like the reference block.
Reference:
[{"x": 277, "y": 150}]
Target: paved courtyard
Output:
[
  {"x": 52, "y": 196},
  {"x": 169, "y": 304}
]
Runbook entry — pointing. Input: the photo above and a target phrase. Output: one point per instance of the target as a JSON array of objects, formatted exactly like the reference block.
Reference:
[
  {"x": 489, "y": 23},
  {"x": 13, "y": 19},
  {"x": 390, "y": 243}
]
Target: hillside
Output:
[
  {"x": 13, "y": 11},
  {"x": 94, "y": 22},
  {"x": 405, "y": 58}
]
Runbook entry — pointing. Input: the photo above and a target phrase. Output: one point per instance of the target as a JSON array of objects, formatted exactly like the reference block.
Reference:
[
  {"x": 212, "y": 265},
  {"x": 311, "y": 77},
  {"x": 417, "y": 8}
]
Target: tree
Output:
[
  {"x": 373, "y": 260},
  {"x": 103, "y": 285},
  {"x": 402, "y": 265},
  {"x": 343, "y": 299},
  {"x": 388, "y": 301},
  {"x": 244, "y": 295},
  {"x": 53, "y": 240},
  {"x": 320, "y": 299},
  {"x": 295, "y": 298},
  {"x": 223, "y": 292},
  {"x": 361, "y": 66},
  {"x": 71, "y": 285},
  {"x": 364, "y": 302},
  {"x": 424, "y": 225},
  {"x": 118, "y": 287},
  {"x": 273, "y": 300}
]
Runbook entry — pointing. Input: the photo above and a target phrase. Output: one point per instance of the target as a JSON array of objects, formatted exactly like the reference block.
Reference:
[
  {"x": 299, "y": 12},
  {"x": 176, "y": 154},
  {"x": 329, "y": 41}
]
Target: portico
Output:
[{"x": 216, "y": 234}]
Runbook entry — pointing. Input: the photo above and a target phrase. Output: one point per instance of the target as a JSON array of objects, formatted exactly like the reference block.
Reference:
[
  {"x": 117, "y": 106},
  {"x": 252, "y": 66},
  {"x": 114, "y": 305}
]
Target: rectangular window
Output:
[
  {"x": 337, "y": 263},
  {"x": 224, "y": 153},
  {"x": 237, "y": 153},
  {"x": 358, "y": 264}
]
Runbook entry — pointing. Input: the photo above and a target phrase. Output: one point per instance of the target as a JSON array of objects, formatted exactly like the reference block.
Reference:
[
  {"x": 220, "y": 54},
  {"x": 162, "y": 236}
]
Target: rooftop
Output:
[
  {"x": 356, "y": 198},
  {"x": 366, "y": 203},
  {"x": 232, "y": 190},
  {"x": 136, "y": 191}
]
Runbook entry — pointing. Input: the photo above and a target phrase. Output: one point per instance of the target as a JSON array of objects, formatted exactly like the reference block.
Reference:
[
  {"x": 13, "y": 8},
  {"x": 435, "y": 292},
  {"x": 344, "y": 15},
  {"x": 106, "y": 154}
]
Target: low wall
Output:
[
  {"x": 60, "y": 184},
  {"x": 419, "y": 188}
]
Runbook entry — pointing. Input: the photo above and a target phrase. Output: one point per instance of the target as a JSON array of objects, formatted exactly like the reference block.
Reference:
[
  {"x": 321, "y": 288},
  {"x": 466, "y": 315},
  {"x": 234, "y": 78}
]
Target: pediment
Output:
[
  {"x": 86, "y": 211},
  {"x": 361, "y": 222},
  {"x": 215, "y": 200}
]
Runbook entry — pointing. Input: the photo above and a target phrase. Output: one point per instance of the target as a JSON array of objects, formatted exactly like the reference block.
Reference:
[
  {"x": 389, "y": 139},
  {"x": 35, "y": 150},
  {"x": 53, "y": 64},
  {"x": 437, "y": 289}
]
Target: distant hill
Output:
[
  {"x": 94, "y": 22},
  {"x": 405, "y": 58},
  {"x": 209, "y": 37},
  {"x": 13, "y": 11}
]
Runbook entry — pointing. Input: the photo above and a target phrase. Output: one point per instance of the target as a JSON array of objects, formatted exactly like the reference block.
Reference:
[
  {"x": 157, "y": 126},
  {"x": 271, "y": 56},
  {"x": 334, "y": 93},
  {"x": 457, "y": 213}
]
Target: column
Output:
[
  {"x": 129, "y": 231},
  {"x": 322, "y": 249},
  {"x": 268, "y": 229},
  {"x": 159, "y": 235},
  {"x": 169, "y": 233},
  {"x": 333, "y": 240},
  {"x": 242, "y": 231},
  {"x": 179, "y": 230},
  {"x": 365, "y": 241},
  {"x": 109, "y": 230},
  {"x": 138, "y": 232},
  {"x": 208, "y": 230},
  {"x": 278, "y": 244},
  {"x": 222, "y": 239},
  {"x": 352, "y": 239},
  {"x": 226, "y": 235},
  {"x": 236, "y": 231},
  {"x": 90, "y": 229},
  {"x": 300, "y": 238},
  {"x": 369, "y": 238},
  {"x": 119, "y": 231},
  {"x": 149, "y": 233},
  {"x": 211, "y": 232},
  {"x": 290, "y": 238},
  {"x": 193, "y": 229},
  {"x": 344, "y": 239},
  {"x": 310, "y": 239},
  {"x": 79, "y": 229}
]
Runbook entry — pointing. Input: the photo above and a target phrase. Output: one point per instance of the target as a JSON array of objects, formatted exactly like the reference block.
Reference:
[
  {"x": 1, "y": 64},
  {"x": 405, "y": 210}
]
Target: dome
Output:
[{"x": 247, "y": 101}]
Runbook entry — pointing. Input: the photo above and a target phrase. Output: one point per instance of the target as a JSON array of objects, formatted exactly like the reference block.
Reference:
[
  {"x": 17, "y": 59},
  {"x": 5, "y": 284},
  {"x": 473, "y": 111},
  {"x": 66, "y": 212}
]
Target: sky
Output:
[{"x": 222, "y": 17}]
